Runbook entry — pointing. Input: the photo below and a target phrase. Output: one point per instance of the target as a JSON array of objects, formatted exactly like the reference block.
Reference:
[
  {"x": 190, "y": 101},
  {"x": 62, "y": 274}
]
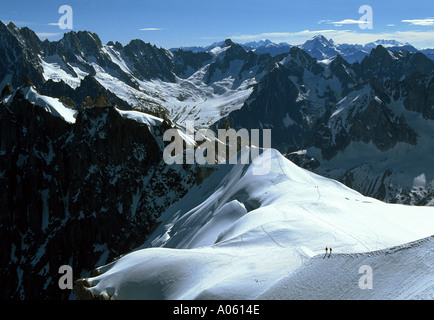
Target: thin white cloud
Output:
[
  {"x": 324, "y": 21},
  {"x": 420, "y": 22},
  {"x": 420, "y": 39},
  {"x": 340, "y": 23},
  {"x": 151, "y": 29},
  {"x": 261, "y": 36},
  {"x": 345, "y": 21},
  {"x": 390, "y": 25}
]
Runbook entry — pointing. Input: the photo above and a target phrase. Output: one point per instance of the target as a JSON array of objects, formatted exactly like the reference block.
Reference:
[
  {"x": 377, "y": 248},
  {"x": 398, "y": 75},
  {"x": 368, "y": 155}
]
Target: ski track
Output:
[
  {"x": 335, "y": 227},
  {"x": 271, "y": 237}
]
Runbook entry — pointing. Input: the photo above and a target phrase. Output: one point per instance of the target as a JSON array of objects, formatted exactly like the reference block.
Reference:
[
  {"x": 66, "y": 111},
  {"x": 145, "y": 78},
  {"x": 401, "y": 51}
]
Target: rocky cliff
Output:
[{"x": 76, "y": 194}]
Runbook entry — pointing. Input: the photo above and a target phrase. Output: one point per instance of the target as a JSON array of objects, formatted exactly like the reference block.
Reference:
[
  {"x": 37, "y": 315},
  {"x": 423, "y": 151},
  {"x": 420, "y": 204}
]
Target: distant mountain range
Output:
[
  {"x": 228, "y": 82},
  {"x": 321, "y": 48},
  {"x": 82, "y": 179}
]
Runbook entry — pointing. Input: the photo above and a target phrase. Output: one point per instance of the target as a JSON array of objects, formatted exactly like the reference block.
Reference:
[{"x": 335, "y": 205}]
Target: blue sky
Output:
[{"x": 174, "y": 23}]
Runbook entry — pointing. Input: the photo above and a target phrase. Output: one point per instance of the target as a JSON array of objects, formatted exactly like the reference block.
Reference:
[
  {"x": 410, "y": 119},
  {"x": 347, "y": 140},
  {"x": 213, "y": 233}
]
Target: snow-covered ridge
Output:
[
  {"x": 238, "y": 236},
  {"x": 51, "y": 105},
  {"x": 191, "y": 97},
  {"x": 140, "y": 117},
  {"x": 59, "y": 109}
]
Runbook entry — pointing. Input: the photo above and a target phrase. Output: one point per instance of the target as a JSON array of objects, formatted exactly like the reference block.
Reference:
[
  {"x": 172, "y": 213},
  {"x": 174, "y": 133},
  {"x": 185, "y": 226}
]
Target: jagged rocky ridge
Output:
[
  {"x": 320, "y": 48},
  {"x": 71, "y": 191},
  {"x": 77, "y": 193},
  {"x": 328, "y": 109}
]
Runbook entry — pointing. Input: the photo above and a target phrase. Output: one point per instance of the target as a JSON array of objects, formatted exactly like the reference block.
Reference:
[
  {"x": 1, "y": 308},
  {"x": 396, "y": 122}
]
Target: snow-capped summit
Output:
[
  {"x": 317, "y": 41},
  {"x": 319, "y": 47},
  {"x": 385, "y": 43},
  {"x": 266, "y": 46},
  {"x": 81, "y": 153},
  {"x": 258, "y": 44}
]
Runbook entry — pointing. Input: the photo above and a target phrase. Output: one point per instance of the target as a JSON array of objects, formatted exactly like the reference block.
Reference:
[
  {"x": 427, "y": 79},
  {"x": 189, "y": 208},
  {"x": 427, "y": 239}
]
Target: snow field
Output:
[
  {"x": 52, "y": 105},
  {"x": 245, "y": 236},
  {"x": 402, "y": 272}
]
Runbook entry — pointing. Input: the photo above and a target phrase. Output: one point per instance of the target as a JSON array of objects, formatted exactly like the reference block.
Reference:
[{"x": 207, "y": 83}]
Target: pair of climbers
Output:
[{"x": 326, "y": 249}]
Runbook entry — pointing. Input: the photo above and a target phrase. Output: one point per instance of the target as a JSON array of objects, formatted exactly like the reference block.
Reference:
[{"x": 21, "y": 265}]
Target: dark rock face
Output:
[
  {"x": 235, "y": 53},
  {"x": 304, "y": 160},
  {"x": 379, "y": 125},
  {"x": 7, "y": 90},
  {"x": 82, "y": 194},
  {"x": 370, "y": 121},
  {"x": 330, "y": 106},
  {"x": 272, "y": 102},
  {"x": 384, "y": 64},
  {"x": 149, "y": 61},
  {"x": 76, "y": 194},
  {"x": 320, "y": 48},
  {"x": 419, "y": 91},
  {"x": 20, "y": 50}
]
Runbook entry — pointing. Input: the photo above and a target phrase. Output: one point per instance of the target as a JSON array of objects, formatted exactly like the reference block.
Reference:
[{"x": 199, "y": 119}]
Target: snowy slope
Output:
[
  {"x": 57, "y": 70},
  {"x": 188, "y": 98},
  {"x": 140, "y": 117},
  {"x": 52, "y": 105},
  {"x": 240, "y": 235},
  {"x": 402, "y": 272}
]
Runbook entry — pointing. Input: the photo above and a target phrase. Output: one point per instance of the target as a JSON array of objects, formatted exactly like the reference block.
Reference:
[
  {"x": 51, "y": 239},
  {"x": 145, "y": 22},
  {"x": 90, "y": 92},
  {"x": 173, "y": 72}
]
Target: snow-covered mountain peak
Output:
[
  {"x": 260, "y": 43},
  {"x": 319, "y": 47},
  {"x": 217, "y": 50},
  {"x": 82, "y": 42},
  {"x": 385, "y": 43},
  {"x": 318, "y": 41},
  {"x": 367, "y": 124}
]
